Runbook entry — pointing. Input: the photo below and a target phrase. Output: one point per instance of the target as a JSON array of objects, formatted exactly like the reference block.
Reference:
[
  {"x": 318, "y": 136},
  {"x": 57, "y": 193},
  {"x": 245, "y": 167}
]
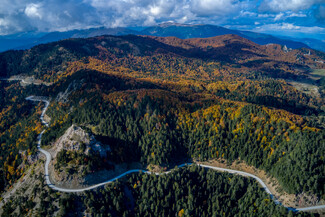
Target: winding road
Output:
[{"x": 68, "y": 190}]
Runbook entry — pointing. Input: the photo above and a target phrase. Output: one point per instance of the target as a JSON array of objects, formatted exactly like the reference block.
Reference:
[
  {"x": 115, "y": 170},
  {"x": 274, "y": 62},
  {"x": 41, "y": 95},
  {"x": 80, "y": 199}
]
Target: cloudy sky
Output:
[{"x": 300, "y": 18}]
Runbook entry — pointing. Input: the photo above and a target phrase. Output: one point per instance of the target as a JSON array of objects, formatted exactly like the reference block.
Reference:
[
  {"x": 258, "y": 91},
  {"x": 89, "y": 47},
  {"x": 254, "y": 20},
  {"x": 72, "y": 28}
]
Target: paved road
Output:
[{"x": 51, "y": 185}]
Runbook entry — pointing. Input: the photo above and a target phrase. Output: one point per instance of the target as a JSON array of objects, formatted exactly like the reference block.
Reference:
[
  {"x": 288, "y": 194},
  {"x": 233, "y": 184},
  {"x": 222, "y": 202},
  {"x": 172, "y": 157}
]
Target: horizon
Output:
[
  {"x": 301, "y": 19},
  {"x": 29, "y": 34}
]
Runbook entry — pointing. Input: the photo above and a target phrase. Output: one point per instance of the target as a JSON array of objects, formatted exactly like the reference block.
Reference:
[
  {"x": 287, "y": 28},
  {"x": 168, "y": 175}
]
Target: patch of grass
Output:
[
  {"x": 306, "y": 88},
  {"x": 318, "y": 72}
]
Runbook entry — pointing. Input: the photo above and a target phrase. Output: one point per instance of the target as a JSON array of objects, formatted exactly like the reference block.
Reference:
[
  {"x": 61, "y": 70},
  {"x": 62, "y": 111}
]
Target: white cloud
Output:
[
  {"x": 278, "y": 16},
  {"x": 281, "y": 27},
  {"x": 33, "y": 10},
  {"x": 150, "y": 12},
  {"x": 289, "y": 26},
  {"x": 288, "y": 14},
  {"x": 155, "y": 10},
  {"x": 3, "y": 22},
  {"x": 53, "y": 15},
  {"x": 297, "y": 15},
  {"x": 285, "y": 5},
  {"x": 248, "y": 13},
  {"x": 215, "y": 7},
  {"x": 265, "y": 15}
]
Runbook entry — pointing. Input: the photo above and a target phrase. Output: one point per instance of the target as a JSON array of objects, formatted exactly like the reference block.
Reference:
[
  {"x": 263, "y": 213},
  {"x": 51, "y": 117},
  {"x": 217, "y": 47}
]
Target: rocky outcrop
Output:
[{"x": 77, "y": 139}]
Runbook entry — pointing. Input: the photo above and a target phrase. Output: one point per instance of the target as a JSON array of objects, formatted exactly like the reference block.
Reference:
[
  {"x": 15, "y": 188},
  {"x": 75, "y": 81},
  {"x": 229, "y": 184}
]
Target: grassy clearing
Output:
[
  {"x": 310, "y": 89},
  {"x": 318, "y": 72}
]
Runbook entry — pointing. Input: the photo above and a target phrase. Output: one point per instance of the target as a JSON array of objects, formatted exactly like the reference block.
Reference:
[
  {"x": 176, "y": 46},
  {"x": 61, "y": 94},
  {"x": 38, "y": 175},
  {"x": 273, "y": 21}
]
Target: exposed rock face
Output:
[
  {"x": 75, "y": 139},
  {"x": 285, "y": 49},
  {"x": 73, "y": 86}
]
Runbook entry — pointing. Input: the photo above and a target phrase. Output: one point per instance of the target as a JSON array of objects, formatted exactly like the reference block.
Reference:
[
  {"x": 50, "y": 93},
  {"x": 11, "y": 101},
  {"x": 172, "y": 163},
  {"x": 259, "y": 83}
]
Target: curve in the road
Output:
[{"x": 68, "y": 190}]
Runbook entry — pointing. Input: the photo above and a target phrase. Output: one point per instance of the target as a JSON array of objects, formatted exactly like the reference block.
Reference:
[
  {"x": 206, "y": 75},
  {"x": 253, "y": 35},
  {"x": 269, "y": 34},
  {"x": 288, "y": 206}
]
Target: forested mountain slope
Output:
[
  {"x": 160, "y": 101},
  {"x": 186, "y": 31}
]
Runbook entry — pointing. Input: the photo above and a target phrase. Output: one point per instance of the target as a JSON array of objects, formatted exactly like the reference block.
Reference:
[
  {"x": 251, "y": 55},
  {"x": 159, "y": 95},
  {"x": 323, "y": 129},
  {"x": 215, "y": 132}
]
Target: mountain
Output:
[
  {"x": 16, "y": 40},
  {"x": 152, "y": 103},
  {"x": 29, "y": 40},
  {"x": 313, "y": 43},
  {"x": 186, "y": 31},
  {"x": 264, "y": 39},
  {"x": 183, "y": 31},
  {"x": 8, "y": 44},
  {"x": 57, "y": 36},
  {"x": 231, "y": 49}
]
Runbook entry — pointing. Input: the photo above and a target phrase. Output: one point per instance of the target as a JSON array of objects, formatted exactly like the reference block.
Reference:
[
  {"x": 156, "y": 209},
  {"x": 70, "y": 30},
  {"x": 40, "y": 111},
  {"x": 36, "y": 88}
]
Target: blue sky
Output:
[{"x": 299, "y": 18}]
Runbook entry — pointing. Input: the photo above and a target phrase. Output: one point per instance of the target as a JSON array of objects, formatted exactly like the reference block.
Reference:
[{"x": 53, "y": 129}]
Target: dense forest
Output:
[
  {"x": 155, "y": 126},
  {"x": 166, "y": 101},
  {"x": 191, "y": 191},
  {"x": 19, "y": 126}
]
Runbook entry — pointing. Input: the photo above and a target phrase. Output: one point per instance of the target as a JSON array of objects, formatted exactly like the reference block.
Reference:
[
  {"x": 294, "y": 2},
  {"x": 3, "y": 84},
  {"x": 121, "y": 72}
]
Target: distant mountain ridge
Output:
[
  {"x": 183, "y": 31},
  {"x": 207, "y": 31},
  {"x": 57, "y": 36}
]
